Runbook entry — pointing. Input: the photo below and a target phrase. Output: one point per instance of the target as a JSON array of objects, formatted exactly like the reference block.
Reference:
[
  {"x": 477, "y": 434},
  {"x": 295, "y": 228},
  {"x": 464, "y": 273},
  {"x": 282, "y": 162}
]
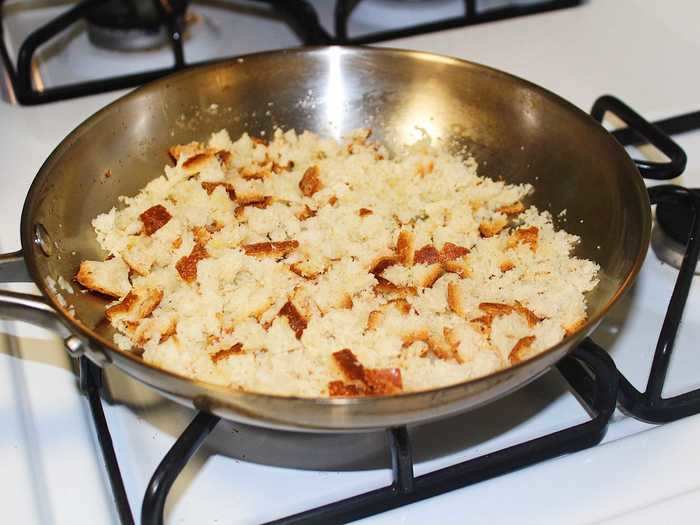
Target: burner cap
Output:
[
  {"x": 124, "y": 14},
  {"x": 670, "y": 234},
  {"x": 129, "y": 25},
  {"x": 675, "y": 219}
]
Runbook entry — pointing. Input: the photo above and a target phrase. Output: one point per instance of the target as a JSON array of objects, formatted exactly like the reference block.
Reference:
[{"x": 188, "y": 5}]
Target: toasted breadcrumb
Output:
[
  {"x": 491, "y": 228},
  {"x": 311, "y": 267},
  {"x": 512, "y": 209},
  {"x": 310, "y": 183},
  {"x": 110, "y": 277}
]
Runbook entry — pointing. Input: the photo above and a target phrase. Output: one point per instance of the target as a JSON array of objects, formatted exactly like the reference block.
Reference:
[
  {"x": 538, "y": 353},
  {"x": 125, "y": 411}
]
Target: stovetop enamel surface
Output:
[{"x": 52, "y": 470}]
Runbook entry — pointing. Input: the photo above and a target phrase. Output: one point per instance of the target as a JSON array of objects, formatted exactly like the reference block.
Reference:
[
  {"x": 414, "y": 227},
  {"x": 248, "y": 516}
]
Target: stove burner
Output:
[
  {"x": 126, "y": 25},
  {"x": 118, "y": 24},
  {"x": 670, "y": 235}
]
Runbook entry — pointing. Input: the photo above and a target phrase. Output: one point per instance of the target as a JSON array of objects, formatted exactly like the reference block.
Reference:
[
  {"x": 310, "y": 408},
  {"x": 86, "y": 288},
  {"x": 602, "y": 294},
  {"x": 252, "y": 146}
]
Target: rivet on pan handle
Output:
[{"x": 650, "y": 133}]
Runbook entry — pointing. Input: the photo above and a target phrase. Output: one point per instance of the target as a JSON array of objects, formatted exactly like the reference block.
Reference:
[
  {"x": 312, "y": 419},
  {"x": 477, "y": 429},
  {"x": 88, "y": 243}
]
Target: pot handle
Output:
[
  {"x": 641, "y": 131},
  {"x": 25, "y": 307}
]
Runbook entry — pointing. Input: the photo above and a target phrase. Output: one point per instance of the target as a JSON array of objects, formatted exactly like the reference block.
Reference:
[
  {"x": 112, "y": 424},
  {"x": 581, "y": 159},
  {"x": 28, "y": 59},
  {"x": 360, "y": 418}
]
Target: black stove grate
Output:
[
  {"x": 589, "y": 370},
  {"x": 91, "y": 386},
  {"x": 298, "y": 14},
  {"x": 649, "y": 405},
  {"x": 472, "y": 15}
]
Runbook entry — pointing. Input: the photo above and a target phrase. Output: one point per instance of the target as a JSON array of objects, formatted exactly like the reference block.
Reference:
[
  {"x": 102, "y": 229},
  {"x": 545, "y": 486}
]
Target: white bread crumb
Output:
[{"x": 472, "y": 280}]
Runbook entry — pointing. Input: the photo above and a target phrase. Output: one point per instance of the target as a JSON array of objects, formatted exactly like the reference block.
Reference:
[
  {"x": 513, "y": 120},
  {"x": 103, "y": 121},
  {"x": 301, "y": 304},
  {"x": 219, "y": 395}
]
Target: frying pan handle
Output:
[
  {"x": 641, "y": 131},
  {"x": 34, "y": 309},
  {"x": 29, "y": 308},
  {"x": 13, "y": 269}
]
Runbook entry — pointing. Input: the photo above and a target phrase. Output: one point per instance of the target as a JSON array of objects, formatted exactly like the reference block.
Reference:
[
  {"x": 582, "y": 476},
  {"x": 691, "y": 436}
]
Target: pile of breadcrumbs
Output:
[{"x": 309, "y": 267}]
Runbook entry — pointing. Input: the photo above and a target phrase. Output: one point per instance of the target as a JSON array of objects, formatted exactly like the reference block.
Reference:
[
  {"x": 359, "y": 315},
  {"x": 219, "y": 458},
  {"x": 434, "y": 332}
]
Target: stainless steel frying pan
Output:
[{"x": 516, "y": 130}]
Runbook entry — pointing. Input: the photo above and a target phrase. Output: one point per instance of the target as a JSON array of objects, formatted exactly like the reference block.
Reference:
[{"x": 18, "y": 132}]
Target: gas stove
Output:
[{"x": 555, "y": 451}]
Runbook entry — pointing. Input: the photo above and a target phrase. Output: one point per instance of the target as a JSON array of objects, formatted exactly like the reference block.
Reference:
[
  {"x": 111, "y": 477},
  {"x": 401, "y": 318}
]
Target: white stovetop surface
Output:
[{"x": 642, "y": 51}]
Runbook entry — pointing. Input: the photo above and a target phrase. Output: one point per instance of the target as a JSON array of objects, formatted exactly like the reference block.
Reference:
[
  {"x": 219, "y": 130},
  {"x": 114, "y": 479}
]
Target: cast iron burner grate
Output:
[
  {"x": 298, "y": 14},
  {"x": 471, "y": 15},
  {"x": 649, "y": 405},
  {"x": 589, "y": 371}
]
